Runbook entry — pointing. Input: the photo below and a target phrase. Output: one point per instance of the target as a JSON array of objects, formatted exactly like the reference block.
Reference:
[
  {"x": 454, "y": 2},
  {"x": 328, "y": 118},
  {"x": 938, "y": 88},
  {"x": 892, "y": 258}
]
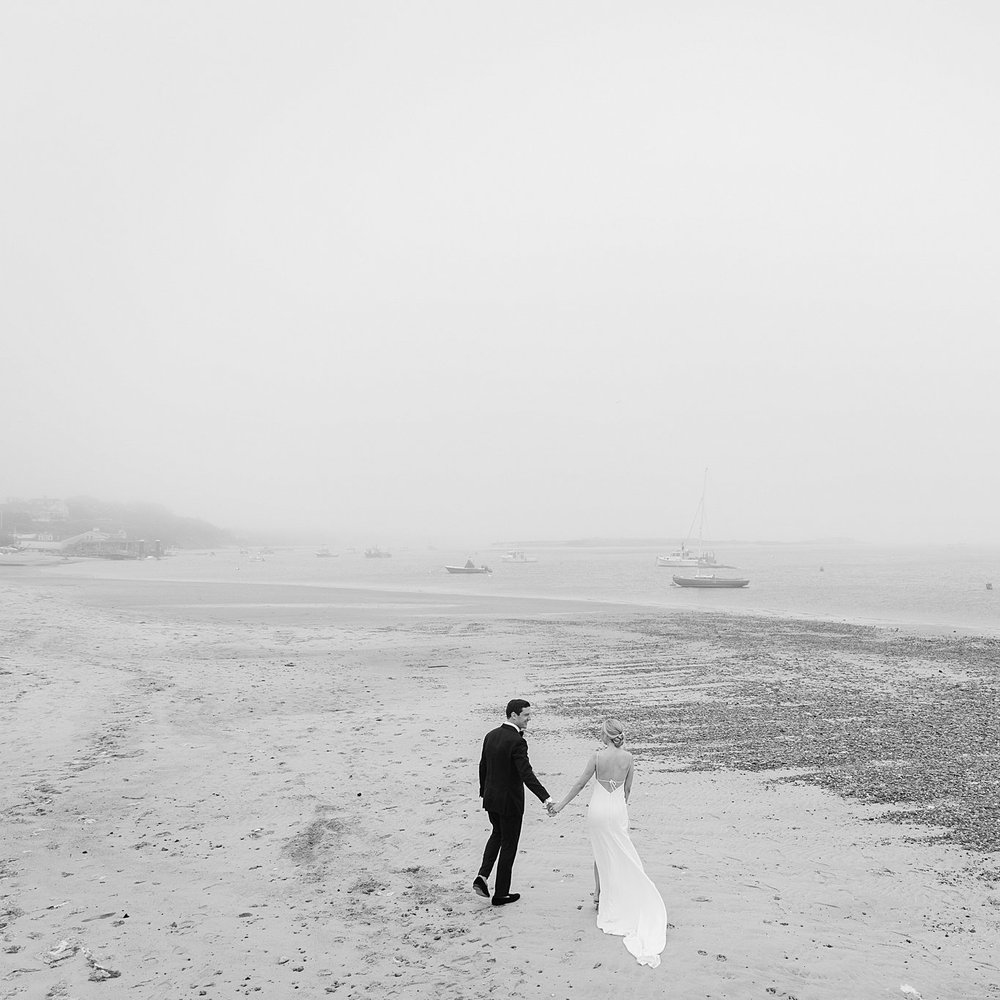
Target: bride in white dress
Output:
[{"x": 627, "y": 901}]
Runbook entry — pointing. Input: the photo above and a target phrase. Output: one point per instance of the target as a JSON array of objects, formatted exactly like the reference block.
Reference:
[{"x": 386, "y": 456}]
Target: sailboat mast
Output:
[{"x": 701, "y": 523}]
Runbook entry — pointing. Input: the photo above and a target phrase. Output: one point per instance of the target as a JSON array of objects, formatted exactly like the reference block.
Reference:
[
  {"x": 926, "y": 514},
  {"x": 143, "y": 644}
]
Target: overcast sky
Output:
[{"x": 504, "y": 271}]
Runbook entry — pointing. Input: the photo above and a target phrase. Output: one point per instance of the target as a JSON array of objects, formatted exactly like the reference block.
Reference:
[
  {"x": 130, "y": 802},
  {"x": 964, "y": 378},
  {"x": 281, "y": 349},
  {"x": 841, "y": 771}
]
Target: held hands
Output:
[{"x": 552, "y": 809}]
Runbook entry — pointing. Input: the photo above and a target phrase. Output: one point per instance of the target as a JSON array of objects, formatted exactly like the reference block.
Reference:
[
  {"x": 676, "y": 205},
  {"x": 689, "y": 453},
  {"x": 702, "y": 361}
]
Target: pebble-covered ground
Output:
[{"x": 874, "y": 714}]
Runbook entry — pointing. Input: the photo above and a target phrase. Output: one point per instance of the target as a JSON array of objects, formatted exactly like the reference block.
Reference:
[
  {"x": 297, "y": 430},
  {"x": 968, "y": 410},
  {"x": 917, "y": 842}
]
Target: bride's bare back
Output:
[{"x": 614, "y": 768}]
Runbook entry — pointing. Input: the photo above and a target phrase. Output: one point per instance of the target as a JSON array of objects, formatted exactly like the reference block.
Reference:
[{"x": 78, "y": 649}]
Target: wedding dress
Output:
[{"x": 630, "y": 904}]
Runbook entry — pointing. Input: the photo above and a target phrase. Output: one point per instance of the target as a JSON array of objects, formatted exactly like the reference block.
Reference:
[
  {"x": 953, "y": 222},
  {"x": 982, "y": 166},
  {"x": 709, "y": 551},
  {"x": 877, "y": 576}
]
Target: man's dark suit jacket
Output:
[{"x": 504, "y": 770}]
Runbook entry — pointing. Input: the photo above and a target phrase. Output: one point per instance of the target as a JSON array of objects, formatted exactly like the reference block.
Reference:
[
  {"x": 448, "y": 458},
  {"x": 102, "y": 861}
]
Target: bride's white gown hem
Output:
[{"x": 630, "y": 904}]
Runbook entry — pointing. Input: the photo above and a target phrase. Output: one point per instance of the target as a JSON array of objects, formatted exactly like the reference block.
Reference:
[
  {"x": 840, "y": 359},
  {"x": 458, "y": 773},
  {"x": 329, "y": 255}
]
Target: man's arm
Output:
[{"x": 523, "y": 765}]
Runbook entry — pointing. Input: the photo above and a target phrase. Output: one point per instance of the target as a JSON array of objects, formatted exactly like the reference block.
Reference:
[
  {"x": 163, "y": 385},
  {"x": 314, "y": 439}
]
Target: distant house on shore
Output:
[
  {"x": 96, "y": 543},
  {"x": 44, "y": 542}
]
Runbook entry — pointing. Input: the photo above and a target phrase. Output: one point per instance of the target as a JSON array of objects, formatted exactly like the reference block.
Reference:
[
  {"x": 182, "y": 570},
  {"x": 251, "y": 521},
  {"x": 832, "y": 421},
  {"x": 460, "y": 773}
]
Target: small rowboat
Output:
[{"x": 710, "y": 580}]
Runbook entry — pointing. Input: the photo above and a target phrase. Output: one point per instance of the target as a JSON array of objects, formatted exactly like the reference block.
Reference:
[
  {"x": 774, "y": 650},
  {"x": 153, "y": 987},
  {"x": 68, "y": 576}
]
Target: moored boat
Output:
[
  {"x": 685, "y": 557},
  {"x": 700, "y": 557},
  {"x": 516, "y": 555},
  {"x": 710, "y": 580},
  {"x": 469, "y": 567}
]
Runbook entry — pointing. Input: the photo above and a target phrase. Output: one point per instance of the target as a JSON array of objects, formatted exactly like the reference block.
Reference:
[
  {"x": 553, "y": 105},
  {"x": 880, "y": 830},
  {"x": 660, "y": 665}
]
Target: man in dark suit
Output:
[{"x": 504, "y": 770}]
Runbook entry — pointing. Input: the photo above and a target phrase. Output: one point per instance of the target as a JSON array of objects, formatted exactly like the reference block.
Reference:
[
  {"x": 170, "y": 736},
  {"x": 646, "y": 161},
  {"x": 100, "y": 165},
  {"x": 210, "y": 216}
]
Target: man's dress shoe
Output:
[{"x": 512, "y": 897}]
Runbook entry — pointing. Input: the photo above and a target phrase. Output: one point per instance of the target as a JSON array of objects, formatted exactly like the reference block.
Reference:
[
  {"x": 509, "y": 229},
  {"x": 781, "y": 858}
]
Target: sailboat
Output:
[
  {"x": 706, "y": 577},
  {"x": 684, "y": 556}
]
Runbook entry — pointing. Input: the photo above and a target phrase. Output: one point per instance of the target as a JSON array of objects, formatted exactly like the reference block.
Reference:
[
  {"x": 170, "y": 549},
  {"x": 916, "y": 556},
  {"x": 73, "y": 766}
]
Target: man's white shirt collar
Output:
[{"x": 513, "y": 725}]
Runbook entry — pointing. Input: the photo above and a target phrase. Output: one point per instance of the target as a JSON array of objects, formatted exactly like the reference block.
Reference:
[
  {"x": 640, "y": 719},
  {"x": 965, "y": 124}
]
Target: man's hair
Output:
[{"x": 516, "y": 706}]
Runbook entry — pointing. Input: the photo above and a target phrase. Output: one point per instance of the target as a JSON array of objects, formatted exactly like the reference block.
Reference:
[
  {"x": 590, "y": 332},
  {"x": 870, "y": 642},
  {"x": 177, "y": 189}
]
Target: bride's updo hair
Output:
[{"x": 614, "y": 731}]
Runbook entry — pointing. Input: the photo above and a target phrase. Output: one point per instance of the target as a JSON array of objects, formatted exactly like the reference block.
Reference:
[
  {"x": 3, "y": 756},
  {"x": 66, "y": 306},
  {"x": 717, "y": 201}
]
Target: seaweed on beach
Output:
[{"x": 872, "y": 714}]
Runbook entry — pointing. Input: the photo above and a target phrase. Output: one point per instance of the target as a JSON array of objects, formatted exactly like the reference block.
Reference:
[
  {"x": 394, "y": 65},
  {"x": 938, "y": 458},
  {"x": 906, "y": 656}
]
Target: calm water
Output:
[{"x": 938, "y": 587}]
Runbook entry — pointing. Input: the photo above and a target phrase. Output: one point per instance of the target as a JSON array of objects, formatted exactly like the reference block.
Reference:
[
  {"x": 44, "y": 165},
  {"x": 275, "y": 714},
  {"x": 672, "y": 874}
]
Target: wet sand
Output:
[{"x": 231, "y": 792}]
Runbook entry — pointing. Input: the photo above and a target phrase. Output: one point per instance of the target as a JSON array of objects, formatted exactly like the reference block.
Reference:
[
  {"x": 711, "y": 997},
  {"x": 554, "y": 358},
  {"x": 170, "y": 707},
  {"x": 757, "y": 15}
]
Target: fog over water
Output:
[{"x": 507, "y": 271}]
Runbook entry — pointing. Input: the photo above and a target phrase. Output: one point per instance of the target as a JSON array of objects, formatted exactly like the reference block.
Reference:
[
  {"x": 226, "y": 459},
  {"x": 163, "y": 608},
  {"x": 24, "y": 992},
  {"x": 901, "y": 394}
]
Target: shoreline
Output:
[
  {"x": 249, "y": 805},
  {"x": 354, "y": 592}
]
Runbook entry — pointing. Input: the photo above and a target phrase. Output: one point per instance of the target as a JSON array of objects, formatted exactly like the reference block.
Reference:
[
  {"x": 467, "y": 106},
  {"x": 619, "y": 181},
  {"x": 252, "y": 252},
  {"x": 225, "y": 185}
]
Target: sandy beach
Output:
[{"x": 226, "y": 790}]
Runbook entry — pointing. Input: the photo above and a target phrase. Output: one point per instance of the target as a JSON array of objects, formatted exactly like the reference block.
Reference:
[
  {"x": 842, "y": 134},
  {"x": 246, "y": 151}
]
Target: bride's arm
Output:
[
  {"x": 628, "y": 778},
  {"x": 588, "y": 773}
]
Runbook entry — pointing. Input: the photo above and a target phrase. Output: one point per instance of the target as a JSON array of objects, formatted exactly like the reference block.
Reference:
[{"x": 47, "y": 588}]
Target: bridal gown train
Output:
[{"x": 630, "y": 904}]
